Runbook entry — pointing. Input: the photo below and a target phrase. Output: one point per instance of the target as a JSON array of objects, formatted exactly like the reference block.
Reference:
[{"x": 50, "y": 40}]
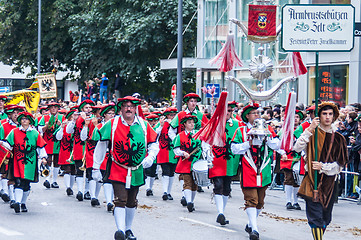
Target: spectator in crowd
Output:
[
  {"x": 103, "y": 88},
  {"x": 117, "y": 86}
]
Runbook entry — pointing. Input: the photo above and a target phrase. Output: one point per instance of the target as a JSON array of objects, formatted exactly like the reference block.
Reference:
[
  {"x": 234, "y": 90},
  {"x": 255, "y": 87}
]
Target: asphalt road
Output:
[{"x": 53, "y": 215}]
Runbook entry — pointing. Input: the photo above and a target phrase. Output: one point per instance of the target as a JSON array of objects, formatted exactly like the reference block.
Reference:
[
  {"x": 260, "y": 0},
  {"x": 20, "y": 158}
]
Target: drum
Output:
[{"x": 200, "y": 173}]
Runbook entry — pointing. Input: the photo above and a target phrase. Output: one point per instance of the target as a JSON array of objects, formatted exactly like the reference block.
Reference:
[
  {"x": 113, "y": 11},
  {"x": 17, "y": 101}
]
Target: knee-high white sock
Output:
[
  {"x": 4, "y": 183},
  {"x": 129, "y": 216},
  {"x": 295, "y": 197},
  {"x": 182, "y": 183},
  {"x": 80, "y": 184},
  {"x": 108, "y": 192},
  {"x": 151, "y": 182},
  {"x": 72, "y": 181},
  {"x": 193, "y": 195},
  {"x": 165, "y": 183},
  {"x": 225, "y": 200},
  {"x": 289, "y": 193},
  {"x": 119, "y": 216},
  {"x": 67, "y": 180},
  {"x": 252, "y": 218},
  {"x": 258, "y": 211},
  {"x": 55, "y": 173},
  {"x": 147, "y": 183},
  {"x": 18, "y": 195},
  {"x": 86, "y": 185},
  {"x": 92, "y": 187},
  {"x": 219, "y": 203},
  {"x": 171, "y": 179},
  {"x": 97, "y": 189},
  {"x": 11, "y": 192},
  {"x": 188, "y": 195},
  {"x": 25, "y": 196},
  {"x": 50, "y": 171}
]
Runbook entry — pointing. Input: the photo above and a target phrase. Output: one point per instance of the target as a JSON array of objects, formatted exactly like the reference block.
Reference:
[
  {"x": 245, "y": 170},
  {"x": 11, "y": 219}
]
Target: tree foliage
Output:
[{"x": 95, "y": 36}]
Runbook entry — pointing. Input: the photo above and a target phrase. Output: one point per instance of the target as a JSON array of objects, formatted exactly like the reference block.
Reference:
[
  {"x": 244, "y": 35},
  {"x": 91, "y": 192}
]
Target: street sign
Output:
[
  {"x": 321, "y": 28},
  {"x": 357, "y": 29},
  {"x": 217, "y": 90},
  {"x": 4, "y": 89}
]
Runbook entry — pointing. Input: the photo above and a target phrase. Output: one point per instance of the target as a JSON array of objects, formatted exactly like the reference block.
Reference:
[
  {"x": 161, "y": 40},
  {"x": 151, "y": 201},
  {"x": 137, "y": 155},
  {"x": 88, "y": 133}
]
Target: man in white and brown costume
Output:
[{"x": 331, "y": 158}]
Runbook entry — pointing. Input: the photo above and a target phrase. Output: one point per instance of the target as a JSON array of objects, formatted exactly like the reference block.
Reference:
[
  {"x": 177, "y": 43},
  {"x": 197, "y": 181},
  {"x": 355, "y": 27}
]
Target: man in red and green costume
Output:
[
  {"x": 27, "y": 147},
  {"x": 225, "y": 166},
  {"x": 76, "y": 127},
  {"x": 151, "y": 172},
  {"x": 256, "y": 162},
  {"x": 66, "y": 153},
  {"x": 130, "y": 138},
  {"x": 47, "y": 127},
  {"x": 3, "y": 100},
  {"x": 188, "y": 150},
  {"x": 12, "y": 111},
  {"x": 292, "y": 167},
  {"x": 107, "y": 112},
  {"x": 166, "y": 158}
]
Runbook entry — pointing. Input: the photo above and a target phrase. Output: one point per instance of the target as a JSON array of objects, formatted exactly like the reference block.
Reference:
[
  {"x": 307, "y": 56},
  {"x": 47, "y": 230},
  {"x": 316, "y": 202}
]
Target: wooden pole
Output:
[{"x": 316, "y": 110}]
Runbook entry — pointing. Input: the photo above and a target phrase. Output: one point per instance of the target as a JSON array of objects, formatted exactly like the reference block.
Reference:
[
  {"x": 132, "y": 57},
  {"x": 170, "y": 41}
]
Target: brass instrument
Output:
[
  {"x": 44, "y": 169},
  {"x": 82, "y": 167},
  {"x": 71, "y": 156}
]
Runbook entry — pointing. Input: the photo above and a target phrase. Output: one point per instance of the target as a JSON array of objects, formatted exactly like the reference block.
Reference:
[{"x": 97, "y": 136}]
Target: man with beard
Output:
[{"x": 130, "y": 138}]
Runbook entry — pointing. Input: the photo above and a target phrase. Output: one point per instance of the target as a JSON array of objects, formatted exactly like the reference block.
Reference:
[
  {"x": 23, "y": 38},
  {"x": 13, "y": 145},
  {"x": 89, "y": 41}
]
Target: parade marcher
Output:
[
  {"x": 292, "y": 167},
  {"x": 191, "y": 99},
  {"x": 27, "y": 147},
  {"x": 151, "y": 172},
  {"x": 332, "y": 157},
  {"x": 47, "y": 127},
  {"x": 187, "y": 150},
  {"x": 256, "y": 162},
  {"x": 66, "y": 153},
  {"x": 75, "y": 127},
  {"x": 107, "y": 112},
  {"x": 12, "y": 111},
  {"x": 166, "y": 158},
  {"x": 3, "y": 100},
  {"x": 129, "y": 138},
  {"x": 40, "y": 114},
  {"x": 300, "y": 129},
  {"x": 225, "y": 166}
]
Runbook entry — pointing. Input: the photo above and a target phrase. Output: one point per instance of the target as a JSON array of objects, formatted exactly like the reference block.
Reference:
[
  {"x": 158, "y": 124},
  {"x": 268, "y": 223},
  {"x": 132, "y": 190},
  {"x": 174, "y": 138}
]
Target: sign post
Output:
[{"x": 318, "y": 28}]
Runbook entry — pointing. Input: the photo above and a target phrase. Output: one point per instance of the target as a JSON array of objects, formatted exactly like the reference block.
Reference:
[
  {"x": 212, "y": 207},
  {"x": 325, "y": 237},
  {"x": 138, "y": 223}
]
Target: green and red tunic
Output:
[
  {"x": 225, "y": 163},
  {"x": 52, "y": 145},
  {"x": 250, "y": 159},
  {"x": 79, "y": 145},
  {"x": 128, "y": 148},
  {"x": 66, "y": 147},
  {"x": 187, "y": 143},
  {"x": 166, "y": 153},
  {"x": 90, "y": 147},
  {"x": 25, "y": 161}
]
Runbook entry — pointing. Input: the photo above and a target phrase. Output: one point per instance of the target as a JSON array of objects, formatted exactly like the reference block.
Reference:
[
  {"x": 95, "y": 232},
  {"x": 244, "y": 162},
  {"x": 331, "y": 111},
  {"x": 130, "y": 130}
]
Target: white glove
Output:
[
  {"x": 96, "y": 175},
  {"x": 147, "y": 162}
]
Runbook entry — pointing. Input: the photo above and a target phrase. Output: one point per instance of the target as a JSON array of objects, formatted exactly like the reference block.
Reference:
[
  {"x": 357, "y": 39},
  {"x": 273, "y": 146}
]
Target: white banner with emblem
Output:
[
  {"x": 47, "y": 85},
  {"x": 310, "y": 27}
]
